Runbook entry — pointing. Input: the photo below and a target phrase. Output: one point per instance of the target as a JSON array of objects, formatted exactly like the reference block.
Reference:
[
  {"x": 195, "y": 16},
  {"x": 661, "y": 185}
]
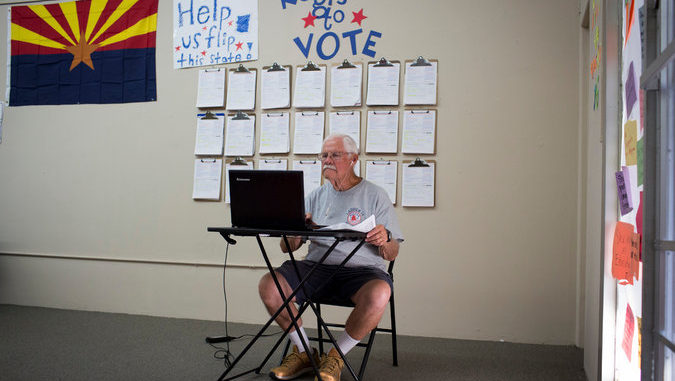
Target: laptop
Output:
[{"x": 267, "y": 199}]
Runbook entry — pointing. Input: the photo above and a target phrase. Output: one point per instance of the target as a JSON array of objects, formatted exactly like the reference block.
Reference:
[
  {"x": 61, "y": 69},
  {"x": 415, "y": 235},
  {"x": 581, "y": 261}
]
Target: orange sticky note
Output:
[
  {"x": 621, "y": 252},
  {"x": 630, "y": 142},
  {"x": 629, "y": 19}
]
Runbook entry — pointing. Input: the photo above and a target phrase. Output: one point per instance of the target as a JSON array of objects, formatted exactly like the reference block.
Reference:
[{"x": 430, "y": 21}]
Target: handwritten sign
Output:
[
  {"x": 211, "y": 32},
  {"x": 327, "y": 42}
]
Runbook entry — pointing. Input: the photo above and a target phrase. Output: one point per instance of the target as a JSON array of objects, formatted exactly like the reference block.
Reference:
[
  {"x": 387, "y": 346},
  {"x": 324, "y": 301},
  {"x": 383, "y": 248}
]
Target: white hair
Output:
[{"x": 347, "y": 141}]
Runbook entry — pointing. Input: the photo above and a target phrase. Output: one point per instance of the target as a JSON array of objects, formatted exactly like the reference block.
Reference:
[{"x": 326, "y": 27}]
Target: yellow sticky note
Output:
[{"x": 630, "y": 141}]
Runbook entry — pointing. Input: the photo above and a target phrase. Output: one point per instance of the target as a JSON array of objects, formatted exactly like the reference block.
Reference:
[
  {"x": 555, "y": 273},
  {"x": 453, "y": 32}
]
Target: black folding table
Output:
[{"x": 338, "y": 236}]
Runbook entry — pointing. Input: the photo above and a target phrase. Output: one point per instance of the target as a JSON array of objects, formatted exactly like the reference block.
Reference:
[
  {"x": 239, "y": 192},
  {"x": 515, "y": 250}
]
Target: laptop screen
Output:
[{"x": 267, "y": 199}]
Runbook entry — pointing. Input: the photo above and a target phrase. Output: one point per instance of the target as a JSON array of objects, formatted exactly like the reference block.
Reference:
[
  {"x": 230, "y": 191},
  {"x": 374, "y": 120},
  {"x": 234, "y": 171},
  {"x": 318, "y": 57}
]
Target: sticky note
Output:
[
  {"x": 622, "y": 193},
  {"x": 630, "y": 142},
  {"x": 628, "y": 332},
  {"x": 631, "y": 91},
  {"x": 621, "y": 251},
  {"x": 640, "y": 161}
]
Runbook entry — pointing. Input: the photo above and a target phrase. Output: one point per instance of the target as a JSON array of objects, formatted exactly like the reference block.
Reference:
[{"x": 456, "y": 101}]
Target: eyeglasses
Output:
[{"x": 333, "y": 155}]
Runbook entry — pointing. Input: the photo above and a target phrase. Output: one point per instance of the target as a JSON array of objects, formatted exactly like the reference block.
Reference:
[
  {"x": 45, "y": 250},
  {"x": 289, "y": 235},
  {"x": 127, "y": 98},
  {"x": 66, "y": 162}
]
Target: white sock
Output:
[
  {"x": 346, "y": 343},
  {"x": 295, "y": 339}
]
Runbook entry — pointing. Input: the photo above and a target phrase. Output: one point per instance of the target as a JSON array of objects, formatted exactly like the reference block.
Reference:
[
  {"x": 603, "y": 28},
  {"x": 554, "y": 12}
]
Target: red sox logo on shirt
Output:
[{"x": 354, "y": 216}]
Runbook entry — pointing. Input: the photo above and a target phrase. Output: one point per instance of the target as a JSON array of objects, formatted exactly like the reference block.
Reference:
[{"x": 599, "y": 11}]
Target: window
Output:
[{"x": 658, "y": 80}]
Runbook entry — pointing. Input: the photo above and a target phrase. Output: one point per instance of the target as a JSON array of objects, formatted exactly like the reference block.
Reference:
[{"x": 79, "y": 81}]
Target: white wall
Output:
[{"x": 495, "y": 259}]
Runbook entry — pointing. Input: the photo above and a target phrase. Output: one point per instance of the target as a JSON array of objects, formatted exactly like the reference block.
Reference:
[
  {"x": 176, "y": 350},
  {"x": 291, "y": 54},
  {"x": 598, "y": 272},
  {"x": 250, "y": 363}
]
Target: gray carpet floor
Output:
[{"x": 52, "y": 344}]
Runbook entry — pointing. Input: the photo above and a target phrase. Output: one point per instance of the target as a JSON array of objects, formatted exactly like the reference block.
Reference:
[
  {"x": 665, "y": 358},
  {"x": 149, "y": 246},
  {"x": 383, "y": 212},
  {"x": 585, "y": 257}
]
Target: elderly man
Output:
[{"x": 348, "y": 198}]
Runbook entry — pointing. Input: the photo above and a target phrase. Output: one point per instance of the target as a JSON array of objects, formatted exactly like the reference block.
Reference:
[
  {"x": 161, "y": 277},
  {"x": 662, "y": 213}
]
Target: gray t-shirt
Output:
[{"x": 329, "y": 206}]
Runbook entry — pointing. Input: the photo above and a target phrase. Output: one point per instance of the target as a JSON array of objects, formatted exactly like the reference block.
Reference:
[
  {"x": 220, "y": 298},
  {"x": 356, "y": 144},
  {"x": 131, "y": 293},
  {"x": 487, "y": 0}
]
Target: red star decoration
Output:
[
  {"x": 239, "y": 44},
  {"x": 358, "y": 17},
  {"x": 203, "y": 52},
  {"x": 309, "y": 20},
  {"x": 230, "y": 23},
  {"x": 204, "y": 28},
  {"x": 177, "y": 48}
]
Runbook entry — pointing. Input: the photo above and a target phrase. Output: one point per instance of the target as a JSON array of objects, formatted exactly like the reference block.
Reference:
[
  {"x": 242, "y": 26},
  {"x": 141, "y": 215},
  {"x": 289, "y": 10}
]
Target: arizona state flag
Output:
[{"x": 89, "y": 51}]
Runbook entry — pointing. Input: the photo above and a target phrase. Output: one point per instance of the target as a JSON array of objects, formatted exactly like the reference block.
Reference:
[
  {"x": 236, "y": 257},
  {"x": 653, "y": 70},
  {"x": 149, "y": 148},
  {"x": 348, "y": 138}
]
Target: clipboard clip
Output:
[
  {"x": 209, "y": 115},
  {"x": 344, "y": 112},
  {"x": 241, "y": 69},
  {"x": 238, "y": 161},
  {"x": 273, "y": 114},
  {"x": 315, "y": 113},
  {"x": 307, "y": 161},
  {"x": 418, "y": 163},
  {"x": 277, "y": 161},
  {"x": 421, "y": 61},
  {"x": 383, "y": 62},
  {"x": 382, "y": 162},
  {"x": 240, "y": 116},
  {"x": 310, "y": 67},
  {"x": 381, "y": 112},
  {"x": 420, "y": 111},
  {"x": 346, "y": 65},
  {"x": 276, "y": 67},
  {"x": 207, "y": 160}
]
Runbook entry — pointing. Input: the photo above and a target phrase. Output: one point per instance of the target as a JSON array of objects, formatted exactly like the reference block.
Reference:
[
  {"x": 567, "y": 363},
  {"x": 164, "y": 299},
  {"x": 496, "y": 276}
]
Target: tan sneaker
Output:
[
  {"x": 294, "y": 365},
  {"x": 331, "y": 366}
]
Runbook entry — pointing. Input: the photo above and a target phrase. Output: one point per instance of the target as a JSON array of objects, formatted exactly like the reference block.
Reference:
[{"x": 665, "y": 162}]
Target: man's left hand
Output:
[{"x": 378, "y": 236}]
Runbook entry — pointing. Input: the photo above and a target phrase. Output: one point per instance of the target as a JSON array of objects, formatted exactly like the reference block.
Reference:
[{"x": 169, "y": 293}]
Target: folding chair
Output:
[{"x": 371, "y": 338}]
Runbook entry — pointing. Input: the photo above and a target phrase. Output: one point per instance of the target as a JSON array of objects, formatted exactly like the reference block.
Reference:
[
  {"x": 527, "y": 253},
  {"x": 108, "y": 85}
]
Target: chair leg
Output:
[
  {"x": 366, "y": 355},
  {"x": 319, "y": 329},
  {"x": 394, "y": 347}
]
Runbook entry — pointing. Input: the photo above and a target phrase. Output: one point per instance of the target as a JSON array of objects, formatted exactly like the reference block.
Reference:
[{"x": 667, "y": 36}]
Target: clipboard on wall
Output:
[
  {"x": 346, "y": 84},
  {"x": 418, "y": 183},
  {"x": 310, "y": 86},
  {"x": 241, "y": 88},
  {"x": 420, "y": 82},
  {"x": 418, "y": 134},
  {"x": 275, "y": 90},
  {"x": 383, "y": 173},
  {"x": 211, "y": 88},
  {"x": 207, "y": 179},
  {"x": 383, "y": 83},
  {"x": 233, "y": 165}
]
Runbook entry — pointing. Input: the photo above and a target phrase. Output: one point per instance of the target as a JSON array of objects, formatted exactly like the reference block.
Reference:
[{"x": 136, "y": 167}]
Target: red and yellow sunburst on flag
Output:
[{"x": 80, "y": 32}]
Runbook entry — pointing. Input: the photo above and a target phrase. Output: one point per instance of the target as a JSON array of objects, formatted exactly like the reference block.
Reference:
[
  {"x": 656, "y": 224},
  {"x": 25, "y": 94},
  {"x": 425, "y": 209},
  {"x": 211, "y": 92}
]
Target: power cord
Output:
[{"x": 224, "y": 353}]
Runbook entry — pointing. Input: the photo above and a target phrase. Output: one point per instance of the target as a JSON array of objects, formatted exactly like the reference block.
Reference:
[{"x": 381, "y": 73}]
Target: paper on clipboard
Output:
[
  {"x": 209, "y": 140},
  {"x": 346, "y": 123},
  {"x": 308, "y": 132},
  {"x": 274, "y": 135},
  {"x": 211, "y": 88},
  {"x": 418, "y": 185},
  {"x": 345, "y": 86},
  {"x": 311, "y": 173},
  {"x": 383, "y": 84},
  {"x": 310, "y": 87},
  {"x": 206, "y": 185},
  {"x": 276, "y": 89},
  {"x": 229, "y": 167},
  {"x": 383, "y": 173},
  {"x": 420, "y": 84},
  {"x": 241, "y": 90}
]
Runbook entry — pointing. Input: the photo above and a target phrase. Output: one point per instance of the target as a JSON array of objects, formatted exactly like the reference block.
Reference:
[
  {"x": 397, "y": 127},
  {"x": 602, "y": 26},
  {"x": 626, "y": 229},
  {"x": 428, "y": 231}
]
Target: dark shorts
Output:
[{"x": 341, "y": 287}]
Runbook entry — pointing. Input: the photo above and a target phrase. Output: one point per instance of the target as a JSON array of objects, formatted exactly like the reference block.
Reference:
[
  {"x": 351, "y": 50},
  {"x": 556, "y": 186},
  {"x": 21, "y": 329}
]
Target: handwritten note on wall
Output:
[{"x": 207, "y": 32}]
